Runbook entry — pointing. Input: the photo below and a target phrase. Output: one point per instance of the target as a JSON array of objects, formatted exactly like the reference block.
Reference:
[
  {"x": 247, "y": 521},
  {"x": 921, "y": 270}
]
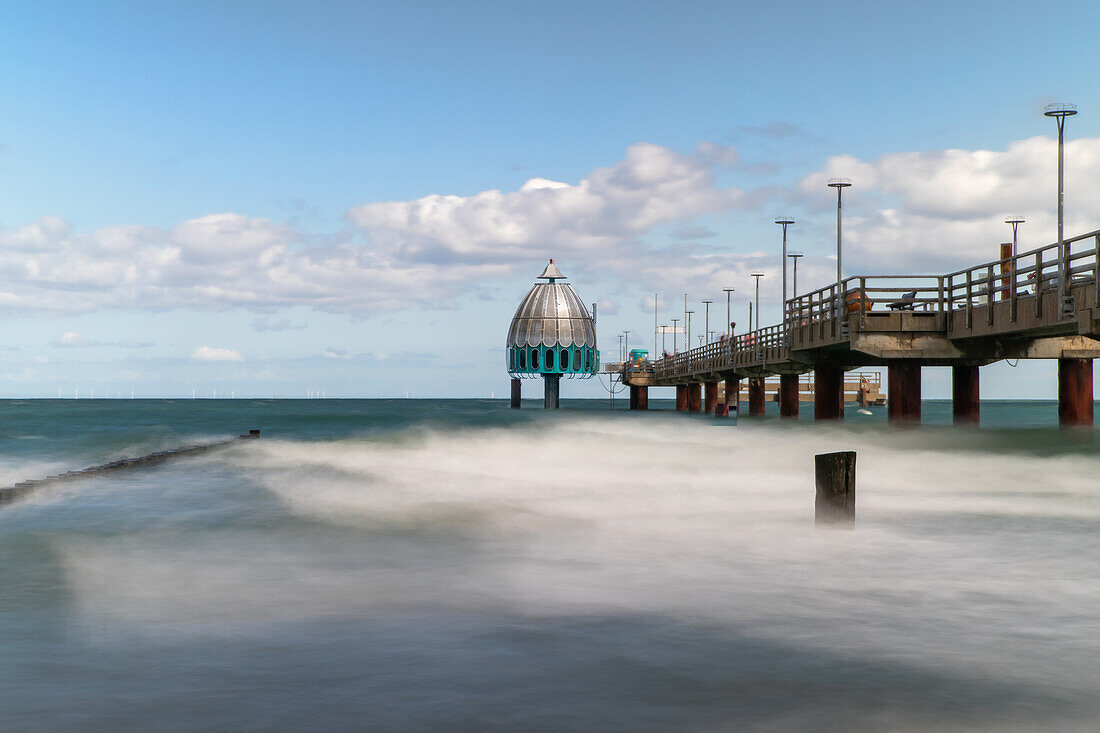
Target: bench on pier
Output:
[{"x": 907, "y": 302}]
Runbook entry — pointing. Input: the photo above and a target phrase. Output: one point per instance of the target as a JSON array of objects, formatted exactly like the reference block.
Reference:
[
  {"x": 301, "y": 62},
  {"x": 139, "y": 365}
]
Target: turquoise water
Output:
[{"x": 416, "y": 565}]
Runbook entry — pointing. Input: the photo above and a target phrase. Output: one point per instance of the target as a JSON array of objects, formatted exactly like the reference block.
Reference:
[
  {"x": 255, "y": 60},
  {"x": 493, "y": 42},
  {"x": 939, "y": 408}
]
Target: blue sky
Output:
[{"x": 268, "y": 198}]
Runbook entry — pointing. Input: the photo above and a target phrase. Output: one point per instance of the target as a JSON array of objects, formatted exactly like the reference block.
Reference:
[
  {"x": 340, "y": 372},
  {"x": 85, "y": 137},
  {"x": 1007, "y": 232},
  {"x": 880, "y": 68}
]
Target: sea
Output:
[{"x": 456, "y": 565}]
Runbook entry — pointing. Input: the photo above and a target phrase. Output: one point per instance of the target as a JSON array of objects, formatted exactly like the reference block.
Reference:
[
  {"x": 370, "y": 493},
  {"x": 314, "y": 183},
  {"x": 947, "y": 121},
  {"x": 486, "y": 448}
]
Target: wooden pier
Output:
[{"x": 1019, "y": 307}]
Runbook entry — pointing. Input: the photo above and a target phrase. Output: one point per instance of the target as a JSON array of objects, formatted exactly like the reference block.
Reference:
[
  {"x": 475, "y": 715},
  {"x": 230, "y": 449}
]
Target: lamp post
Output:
[
  {"x": 784, "y": 221},
  {"x": 688, "y": 330},
  {"x": 839, "y": 184},
  {"x": 626, "y": 348},
  {"x": 757, "y": 275},
  {"x": 1015, "y": 221},
  {"x": 1060, "y": 112},
  {"x": 756, "y": 338},
  {"x": 621, "y": 359},
  {"x": 729, "y": 317},
  {"x": 664, "y": 330},
  {"x": 794, "y": 264},
  {"x": 674, "y": 322},
  {"x": 794, "y": 276},
  {"x": 655, "y": 327},
  {"x": 706, "y": 320}
]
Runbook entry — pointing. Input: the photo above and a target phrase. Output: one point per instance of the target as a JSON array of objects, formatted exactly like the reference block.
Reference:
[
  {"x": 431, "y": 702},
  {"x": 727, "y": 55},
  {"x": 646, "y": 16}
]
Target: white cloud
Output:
[
  {"x": 945, "y": 209},
  {"x": 210, "y": 353},
  {"x": 71, "y": 339},
  {"x": 335, "y": 354},
  {"x": 651, "y": 186},
  {"x": 931, "y": 210},
  {"x": 423, "y": 252}
]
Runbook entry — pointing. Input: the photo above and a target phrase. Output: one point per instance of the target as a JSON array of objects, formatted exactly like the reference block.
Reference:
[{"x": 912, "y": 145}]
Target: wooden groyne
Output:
[{"x": 21, "y": 489}]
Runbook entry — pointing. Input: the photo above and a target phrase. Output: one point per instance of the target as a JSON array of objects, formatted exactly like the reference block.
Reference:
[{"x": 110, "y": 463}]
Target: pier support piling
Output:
[
  {"x": 551, "y": 384},
  {"x": 681, "y": 397},
  {"x": 836, "y": 489},
  {"x": 828, "y": 393},
  {"x": 965, "y": 404},
  {"x": 517, "y": 393},
  {"x": 903, "y": 392},
  {"x": 1074, "y": 392},
  {"x": 788, "y": 395},
  {"x": 694, "y": 397},
  {"x": 733, "y": 395},
  {"x": 756, "y": 396},
  {"x": 710, "y": 397},
  {"x": 639, "y": 398}
]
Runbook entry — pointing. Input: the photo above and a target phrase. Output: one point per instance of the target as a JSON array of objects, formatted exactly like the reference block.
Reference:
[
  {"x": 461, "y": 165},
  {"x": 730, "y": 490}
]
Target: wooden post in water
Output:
[
  {"x": 517, "y": 393},
  {"x": 639, "y": 398},
  {"x": 835, "y": 475}
]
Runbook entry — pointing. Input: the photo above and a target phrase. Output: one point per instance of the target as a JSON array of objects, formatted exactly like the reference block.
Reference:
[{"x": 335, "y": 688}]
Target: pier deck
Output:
[{"x": 1013, "y": 308}]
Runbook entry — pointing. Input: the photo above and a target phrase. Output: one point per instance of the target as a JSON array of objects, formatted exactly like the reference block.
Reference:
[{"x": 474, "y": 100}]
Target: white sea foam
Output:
[{"x": 981, "y": 562}]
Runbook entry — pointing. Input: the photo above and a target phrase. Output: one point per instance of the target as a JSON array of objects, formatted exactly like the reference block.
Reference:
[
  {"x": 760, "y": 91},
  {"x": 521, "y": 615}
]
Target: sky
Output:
[{"x": 276, "y": 198}]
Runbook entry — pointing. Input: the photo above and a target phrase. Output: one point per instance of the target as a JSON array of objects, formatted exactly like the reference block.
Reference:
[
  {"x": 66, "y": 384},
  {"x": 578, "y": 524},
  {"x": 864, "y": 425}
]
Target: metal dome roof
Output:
[{"x": 552, "y": 314}]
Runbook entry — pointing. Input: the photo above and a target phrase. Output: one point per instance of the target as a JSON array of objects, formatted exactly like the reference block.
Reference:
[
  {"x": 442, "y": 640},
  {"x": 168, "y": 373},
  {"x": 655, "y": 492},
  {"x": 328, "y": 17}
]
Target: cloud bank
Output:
[{"x": 930, "y": 211}]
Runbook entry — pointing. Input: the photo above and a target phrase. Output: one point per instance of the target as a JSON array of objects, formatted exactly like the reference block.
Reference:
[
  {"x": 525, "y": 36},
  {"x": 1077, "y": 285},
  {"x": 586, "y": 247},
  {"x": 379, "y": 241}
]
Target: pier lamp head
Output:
[
  {"x": 1014, "y": 219},
  {"x": 795, "y": 255},
  {"x": 784, "y": 220},
  {"x": 1060, "y": 109},
  {"x": 707, "y": 301},
  {"x": 839, "y": 182},
  {"x": 756, "y": 274}
]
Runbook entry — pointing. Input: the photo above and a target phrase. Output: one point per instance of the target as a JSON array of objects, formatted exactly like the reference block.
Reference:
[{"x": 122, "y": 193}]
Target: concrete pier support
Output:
[
  {"x": 756, "y": 396},
  {"x": 694, "y": 397},
  {"x": 710, "y": 397},
  {"x": 639, "y": 398},
  {"x": 1074, "y": 392},
  {"x": 517, "y": 393},
  {"x": 681, "y": 397},
  {"x": 965, "y": 404},
  {"x": 828, "y": 393},
  {"x": 551, "y": 383},
  {"x": 733, "y": 395},
  {"x": 788, "y": 395},
  {"x": 903, "y": 392}
]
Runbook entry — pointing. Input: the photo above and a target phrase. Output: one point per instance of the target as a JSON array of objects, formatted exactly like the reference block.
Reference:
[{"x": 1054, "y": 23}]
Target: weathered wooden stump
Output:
[{"x": 836, "y": 489}]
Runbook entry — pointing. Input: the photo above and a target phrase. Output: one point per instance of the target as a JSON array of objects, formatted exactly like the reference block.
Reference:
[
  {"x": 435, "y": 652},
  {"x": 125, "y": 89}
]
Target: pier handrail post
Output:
[
  {"x": 969, "y": 299},
  {"x": 1014, "y": 283},
  {"x": 1096, "y": 269},
  {"x": 862, "y": 294},
  {"x": 989, "y": 297},
  {"x": 1039, "y": 283},
  {"x": 949, "y": 321}
]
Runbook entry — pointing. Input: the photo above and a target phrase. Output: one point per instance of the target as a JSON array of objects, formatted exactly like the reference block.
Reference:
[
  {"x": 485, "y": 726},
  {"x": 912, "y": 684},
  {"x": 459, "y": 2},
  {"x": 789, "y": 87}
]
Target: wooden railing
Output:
[{"x": 929, "y": 302}]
